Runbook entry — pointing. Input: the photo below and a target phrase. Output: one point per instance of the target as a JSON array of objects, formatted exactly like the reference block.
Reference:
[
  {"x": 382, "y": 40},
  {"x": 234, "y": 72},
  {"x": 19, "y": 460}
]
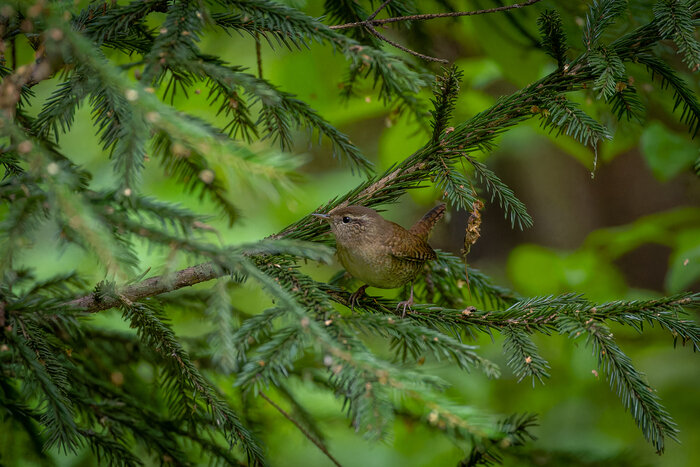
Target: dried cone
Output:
[{"x": 471, "y": 235}]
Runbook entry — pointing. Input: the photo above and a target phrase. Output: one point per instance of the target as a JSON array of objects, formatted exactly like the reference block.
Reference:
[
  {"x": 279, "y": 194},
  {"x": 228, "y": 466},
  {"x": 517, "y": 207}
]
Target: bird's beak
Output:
[{"x": 324, "y": 217}]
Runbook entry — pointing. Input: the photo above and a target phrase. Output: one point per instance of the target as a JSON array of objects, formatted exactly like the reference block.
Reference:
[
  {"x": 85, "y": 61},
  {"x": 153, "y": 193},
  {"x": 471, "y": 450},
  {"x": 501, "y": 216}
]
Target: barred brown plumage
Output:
[{"x": 379, "y": 252}]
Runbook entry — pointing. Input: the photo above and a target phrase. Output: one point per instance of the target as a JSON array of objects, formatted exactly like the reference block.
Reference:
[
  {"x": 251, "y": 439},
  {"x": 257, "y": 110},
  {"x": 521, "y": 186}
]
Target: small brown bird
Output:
[{"x": 379, "y": 252}]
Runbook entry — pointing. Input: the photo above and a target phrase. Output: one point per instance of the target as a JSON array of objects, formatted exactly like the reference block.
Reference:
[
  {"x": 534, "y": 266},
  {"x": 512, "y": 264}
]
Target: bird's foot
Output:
[
  {"x": 355, "y": 297},
  {"x": 406, "y": 304}
]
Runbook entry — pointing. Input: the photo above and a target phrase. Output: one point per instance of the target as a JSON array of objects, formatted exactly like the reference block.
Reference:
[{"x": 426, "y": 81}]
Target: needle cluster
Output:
[{"x": 70, "y": 385}]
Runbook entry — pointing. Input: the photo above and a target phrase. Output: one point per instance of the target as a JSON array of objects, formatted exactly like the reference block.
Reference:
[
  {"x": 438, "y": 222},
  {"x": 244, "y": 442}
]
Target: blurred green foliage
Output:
[{"x": 580, "y": 415}]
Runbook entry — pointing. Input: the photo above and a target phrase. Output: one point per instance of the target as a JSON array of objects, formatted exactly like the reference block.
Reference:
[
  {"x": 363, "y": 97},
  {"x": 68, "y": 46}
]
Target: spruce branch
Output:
[
  {"x": 565, "y": 116},
  {"x": 473, "y": 134},
  {"x": 359, "y": 376},
  {"x": 684, "y": 97},
  {"x": 16, "y": 85},
  {"x": 355, "y": 372},
  {"x": 184, "y": 379},
  {"x": 254, "y": 329},
  {"x": 397, "y": 79},
  {"x": 193, "y": 136},
  {"x": 75, "y": 216},
  {"x": 120, "y": 26},
  {"x": 466, "y": 427},
  {"x": 610, "y": 71},
  {"x": 221, "y": 340},
  {"x": 523, "y": 357},
  {"x": 514, "y": 431},
  {"x": 667, "y": 312},
  {"x": 59, "y": 109},
  {"x": 626, "y": 103},
  {"x": 370, "y": 23},
  {"x": 449, "y": 284},
  {"x": 267, "y": 349},
  {"x": 446, "y": 93},
  {"x": 185, "y": 57},
  {"x": 601, "y": 15},
  {"x": 454, "y": 14},
  {"x": 676, "y": 21},
  {"x": 636, "y": 395},
  {"x": 279, "y": 110},
  {"x": 512, "y": 206},
  {"x": 344, "y": 11},
  {"x": 224, "y": 262},
  {"x": 553, "y": 36},
  {"x": 57, "y": 416},
  {"x": 453, "y": 185},
  {"x": 272, "y": 20},
  {"x": 24, "y": 214},
  {"x": 178, "y": 36},
  {"x": 25, "y": 417},
  {"x": 58, "y": 286},
  {"x": 409, "y": 340},
  {"x": 574, "y": 316},
  {"x": 119, "y": 412},
  {"x": 273, "y": 360}
]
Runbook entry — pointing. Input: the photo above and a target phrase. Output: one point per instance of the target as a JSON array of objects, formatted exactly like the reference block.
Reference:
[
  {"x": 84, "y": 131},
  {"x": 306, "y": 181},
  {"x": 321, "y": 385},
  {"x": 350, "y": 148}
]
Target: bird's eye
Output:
[{"x": 346, "y": 220}]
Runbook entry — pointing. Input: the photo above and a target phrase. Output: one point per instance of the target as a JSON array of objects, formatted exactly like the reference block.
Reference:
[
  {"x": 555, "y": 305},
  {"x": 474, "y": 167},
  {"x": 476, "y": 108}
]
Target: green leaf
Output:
[
  {"x": 684, "y": 264},
  {"x": 667, "y": 153},
  {"x": 538, "y": 270}
]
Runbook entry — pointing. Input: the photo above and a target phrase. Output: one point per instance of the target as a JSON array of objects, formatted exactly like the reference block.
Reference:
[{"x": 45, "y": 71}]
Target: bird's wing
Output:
[
  {"x": 409, "y": 247},
  {"x": 423, "y": 227}
]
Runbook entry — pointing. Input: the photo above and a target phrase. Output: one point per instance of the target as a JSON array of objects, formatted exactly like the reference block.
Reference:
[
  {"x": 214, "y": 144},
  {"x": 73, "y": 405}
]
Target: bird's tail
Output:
[{"x": 423, "y": 227}]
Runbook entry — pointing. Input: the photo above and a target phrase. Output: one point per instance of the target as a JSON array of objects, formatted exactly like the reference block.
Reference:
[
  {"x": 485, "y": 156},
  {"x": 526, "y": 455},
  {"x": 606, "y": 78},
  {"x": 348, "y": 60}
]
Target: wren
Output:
[{"x": 379, "y": 252}]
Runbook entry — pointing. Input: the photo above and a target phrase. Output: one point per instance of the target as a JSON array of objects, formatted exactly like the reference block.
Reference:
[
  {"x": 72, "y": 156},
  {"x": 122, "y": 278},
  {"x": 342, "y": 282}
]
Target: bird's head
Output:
[{"x": 352, "y": 223}]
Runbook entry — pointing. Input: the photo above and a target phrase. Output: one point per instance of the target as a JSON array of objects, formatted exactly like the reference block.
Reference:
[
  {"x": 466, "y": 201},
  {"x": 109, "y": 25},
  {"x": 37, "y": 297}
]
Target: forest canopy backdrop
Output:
[{"x": 166, "y": 296}]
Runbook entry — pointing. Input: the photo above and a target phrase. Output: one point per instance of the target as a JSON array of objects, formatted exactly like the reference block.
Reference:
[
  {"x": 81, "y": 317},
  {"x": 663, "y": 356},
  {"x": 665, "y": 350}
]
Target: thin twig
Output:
[
  {"x": 258, "y": 55},
  {"x": 157, "y": 285},
  {"x": 428, "y": 16},
  {"x": 382, "y": 37},
  {"x": 302, "y": 429},
  {"x": 376, "y": 12},
  {"x": 14, "y": 54},
  {"x": 368, "y": 25}
]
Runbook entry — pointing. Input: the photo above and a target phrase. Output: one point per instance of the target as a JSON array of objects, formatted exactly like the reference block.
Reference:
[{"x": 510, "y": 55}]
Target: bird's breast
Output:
[{"x": 376, "y": 267}]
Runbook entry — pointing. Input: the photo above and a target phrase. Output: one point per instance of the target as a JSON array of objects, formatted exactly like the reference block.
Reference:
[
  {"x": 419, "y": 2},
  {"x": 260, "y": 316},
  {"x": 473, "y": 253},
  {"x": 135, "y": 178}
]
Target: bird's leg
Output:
[
  {"x": 355, "y": 296},
  {"x": 406, "y": 303}
]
